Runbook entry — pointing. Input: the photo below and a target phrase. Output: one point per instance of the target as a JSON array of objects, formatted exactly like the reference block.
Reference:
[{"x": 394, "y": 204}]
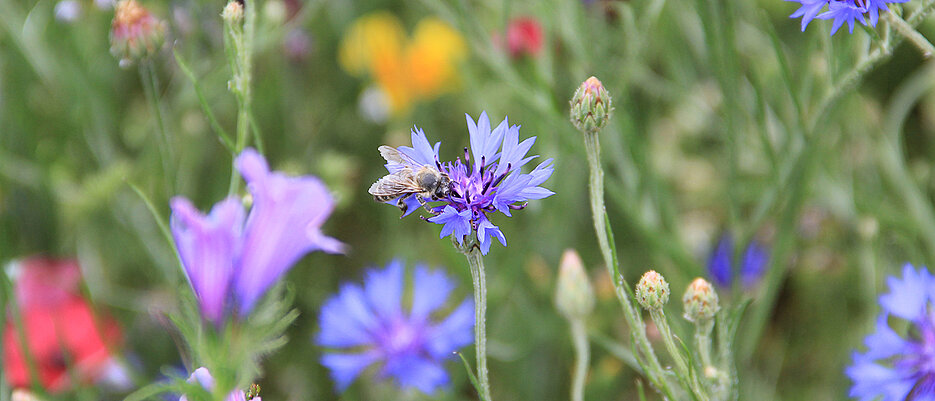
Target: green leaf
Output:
[
  {"x": 218, "y": 129},
  {"x": 467, "y": 367}
]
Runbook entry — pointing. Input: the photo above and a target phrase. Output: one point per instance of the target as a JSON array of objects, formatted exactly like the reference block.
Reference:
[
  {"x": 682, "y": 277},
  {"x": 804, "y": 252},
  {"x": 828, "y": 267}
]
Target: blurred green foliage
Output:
[{"x": 719, "y": 126}]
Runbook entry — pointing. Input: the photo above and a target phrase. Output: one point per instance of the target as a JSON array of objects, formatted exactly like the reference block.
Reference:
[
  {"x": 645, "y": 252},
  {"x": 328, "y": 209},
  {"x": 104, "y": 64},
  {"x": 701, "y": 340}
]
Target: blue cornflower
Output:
[
  {"x": 898, "y": 367},
  {"x": 842, "y": 11},
  {"x": 752, "y": 265},
  {"x": 231, "y": 259},
  {"x": 493, "y": 182},
  {"x": 369, "y": 325},
  {"x": 808, "y": 11}
]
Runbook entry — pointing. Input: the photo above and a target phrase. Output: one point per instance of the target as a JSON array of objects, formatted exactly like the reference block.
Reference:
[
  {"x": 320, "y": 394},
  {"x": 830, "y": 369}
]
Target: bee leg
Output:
[
  {"x": 401, "y": 204},
  {"x": 424, "y": 205}
]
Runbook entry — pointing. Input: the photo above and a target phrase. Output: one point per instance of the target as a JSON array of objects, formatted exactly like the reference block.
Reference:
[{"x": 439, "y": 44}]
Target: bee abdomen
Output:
[{"x": 383, "y": 198}]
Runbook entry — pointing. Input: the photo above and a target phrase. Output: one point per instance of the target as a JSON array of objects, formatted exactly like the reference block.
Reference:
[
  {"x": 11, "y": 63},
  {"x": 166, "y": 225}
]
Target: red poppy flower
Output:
[{"x": 60, "y": 327}]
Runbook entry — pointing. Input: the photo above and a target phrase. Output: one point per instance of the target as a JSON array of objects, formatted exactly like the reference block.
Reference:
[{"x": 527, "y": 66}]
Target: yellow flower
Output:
[{"x": 405, "y": 70}]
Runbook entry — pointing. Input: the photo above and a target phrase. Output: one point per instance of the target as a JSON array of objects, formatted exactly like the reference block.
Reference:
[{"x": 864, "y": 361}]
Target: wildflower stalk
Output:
[
  {"x": 150, "y": 84},
  {"x": 591, "y": 108},
  {"x": 910, "y": 33},
  {"x": 579, "y": 336},
  {"x": 703, "y": 341},
  {"x": 239, "y": 28},
  {"x": 476, "y": 262}
]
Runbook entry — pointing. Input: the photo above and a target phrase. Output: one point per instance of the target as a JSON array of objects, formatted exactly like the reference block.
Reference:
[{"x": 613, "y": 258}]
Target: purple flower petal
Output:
[
  {"x": 346, "y": 367},
  {"x": 454, "y": 332},
  {"x": 454, "y": 223},
  {"x": 283, "y": 225},
  {"x": 207, "y": 246}
]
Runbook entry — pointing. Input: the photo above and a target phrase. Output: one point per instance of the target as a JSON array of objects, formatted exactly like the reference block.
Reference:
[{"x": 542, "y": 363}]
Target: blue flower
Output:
[
  {"x": 808, "y": 10},
  {"x": 844, "y": 11},
  {"x": 752, "y": 265},
  {"x": 231, "y": 259},
  {"x": 896, "y": 367},
  {"x": 368, "y": 325},
  {"x": 493, "y": 182}
]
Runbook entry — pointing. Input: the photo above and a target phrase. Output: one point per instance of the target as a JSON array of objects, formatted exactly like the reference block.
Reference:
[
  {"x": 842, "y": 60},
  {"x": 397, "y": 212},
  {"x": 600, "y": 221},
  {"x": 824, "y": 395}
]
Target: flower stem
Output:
[
  {"x": 703, "y": 341},
  {"x": 910, "y": 33},
  {"x": 150, "y": 84},
  {"x": 239, "y": 47},
  {"x": 579, "y": 336},
  {"x": 654, "y": 371},
  {"x": 596, "y": 189},
  {"x": 681, "y": 365},
  {"x": 476, "y": 262}
]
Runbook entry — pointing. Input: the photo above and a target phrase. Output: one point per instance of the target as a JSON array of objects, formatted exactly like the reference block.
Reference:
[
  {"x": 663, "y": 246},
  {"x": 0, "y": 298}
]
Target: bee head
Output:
[{"x": 444, "y": 186}]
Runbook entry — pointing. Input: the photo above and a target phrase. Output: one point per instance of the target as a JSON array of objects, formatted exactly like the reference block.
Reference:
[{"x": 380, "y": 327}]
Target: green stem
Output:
[
  {"x": 592, "y": 146},
  {"x": 150, "y": 87},
  {"x": 703, "y": 341},
  {"x": 654, "y": 371},
  {"x": 910, "y": 33},
  {"x": 579, "y": 336},
  {"x": 681, "y": 365},
  {"x": 476, "y": 262}
]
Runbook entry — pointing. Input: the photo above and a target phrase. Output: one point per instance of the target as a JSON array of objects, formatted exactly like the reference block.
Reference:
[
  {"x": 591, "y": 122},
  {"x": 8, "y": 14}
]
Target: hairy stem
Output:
[
  {"x": 579, "y": 336},
  {"x": 653, "y": 370},
  {"x": 476, "y": 262}
]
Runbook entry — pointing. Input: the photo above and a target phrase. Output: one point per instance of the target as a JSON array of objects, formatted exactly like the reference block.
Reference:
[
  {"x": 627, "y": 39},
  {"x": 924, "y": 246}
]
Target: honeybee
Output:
[{"x": 425, "y": 182}]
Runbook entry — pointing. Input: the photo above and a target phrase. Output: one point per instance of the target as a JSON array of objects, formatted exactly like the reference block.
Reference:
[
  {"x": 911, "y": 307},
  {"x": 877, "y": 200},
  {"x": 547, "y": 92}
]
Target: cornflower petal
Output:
[
  {"x": 808, "y": 11},
  {"x": 384, "y": 289},
  {"x": 420, "y": 151},
  {"x": 454, "y": 222},
  {"x": 719, "y": 263},
  {"x": 207, "y": 246},
  {"x": 908, "y": 297},
  {"x": 408, "y": 344},
  {"x": 283, "y": 225},
  {"x": 346, "y": 367},
  {"x": 346, "y": 319},
  {"x": 418, "y": 372},
  {"x": 484, "y": 142},
  {"x": 485, "y": 230},
  {"x": 753, "y": 264},
  {"x": 842, "y": 12},
  {"x": 898, "y": 367},
  {"x": 430, "y": 289},
  {"x": 454, "y": 332}
]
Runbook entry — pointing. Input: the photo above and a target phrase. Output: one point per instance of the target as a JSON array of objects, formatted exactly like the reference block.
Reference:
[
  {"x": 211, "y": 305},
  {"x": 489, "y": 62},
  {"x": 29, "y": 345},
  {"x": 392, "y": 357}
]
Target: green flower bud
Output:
[
  {"x": 700, "y": 301},
  {"x": 574, "y": 296},
  {"x": 652, "y": 292},
  {"x": 591, "y": 106},
  {"x": 135, "y": 33}
]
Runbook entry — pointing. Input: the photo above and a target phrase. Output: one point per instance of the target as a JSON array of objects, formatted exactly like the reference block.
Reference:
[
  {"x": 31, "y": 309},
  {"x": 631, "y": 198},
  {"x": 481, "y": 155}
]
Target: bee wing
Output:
[
  {"x": 393, "y": 155},
  {"x": 398, "y": 183}
]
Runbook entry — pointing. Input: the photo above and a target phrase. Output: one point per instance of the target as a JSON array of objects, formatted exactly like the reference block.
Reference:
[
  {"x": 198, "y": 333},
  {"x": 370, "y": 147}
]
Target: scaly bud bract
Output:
[
  {"x": 135, "y": 33},
  {"x": 591, "y": 106},
  {"x": 574, "y": 296},
  {"x": 700, "y": 301},
  {"x": 652, "y": 292}
]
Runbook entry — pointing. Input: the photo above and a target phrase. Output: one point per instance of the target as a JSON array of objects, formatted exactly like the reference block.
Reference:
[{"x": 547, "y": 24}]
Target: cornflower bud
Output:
[
  {"x": 574, "y": 296},
  {"x": 135, "y": 33},
  {"x": 652, "y": 292},
  {"x": 591, "y": 106},
  {"x": 700, "y": 301},
  {"x": 233, "y": 12}
]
